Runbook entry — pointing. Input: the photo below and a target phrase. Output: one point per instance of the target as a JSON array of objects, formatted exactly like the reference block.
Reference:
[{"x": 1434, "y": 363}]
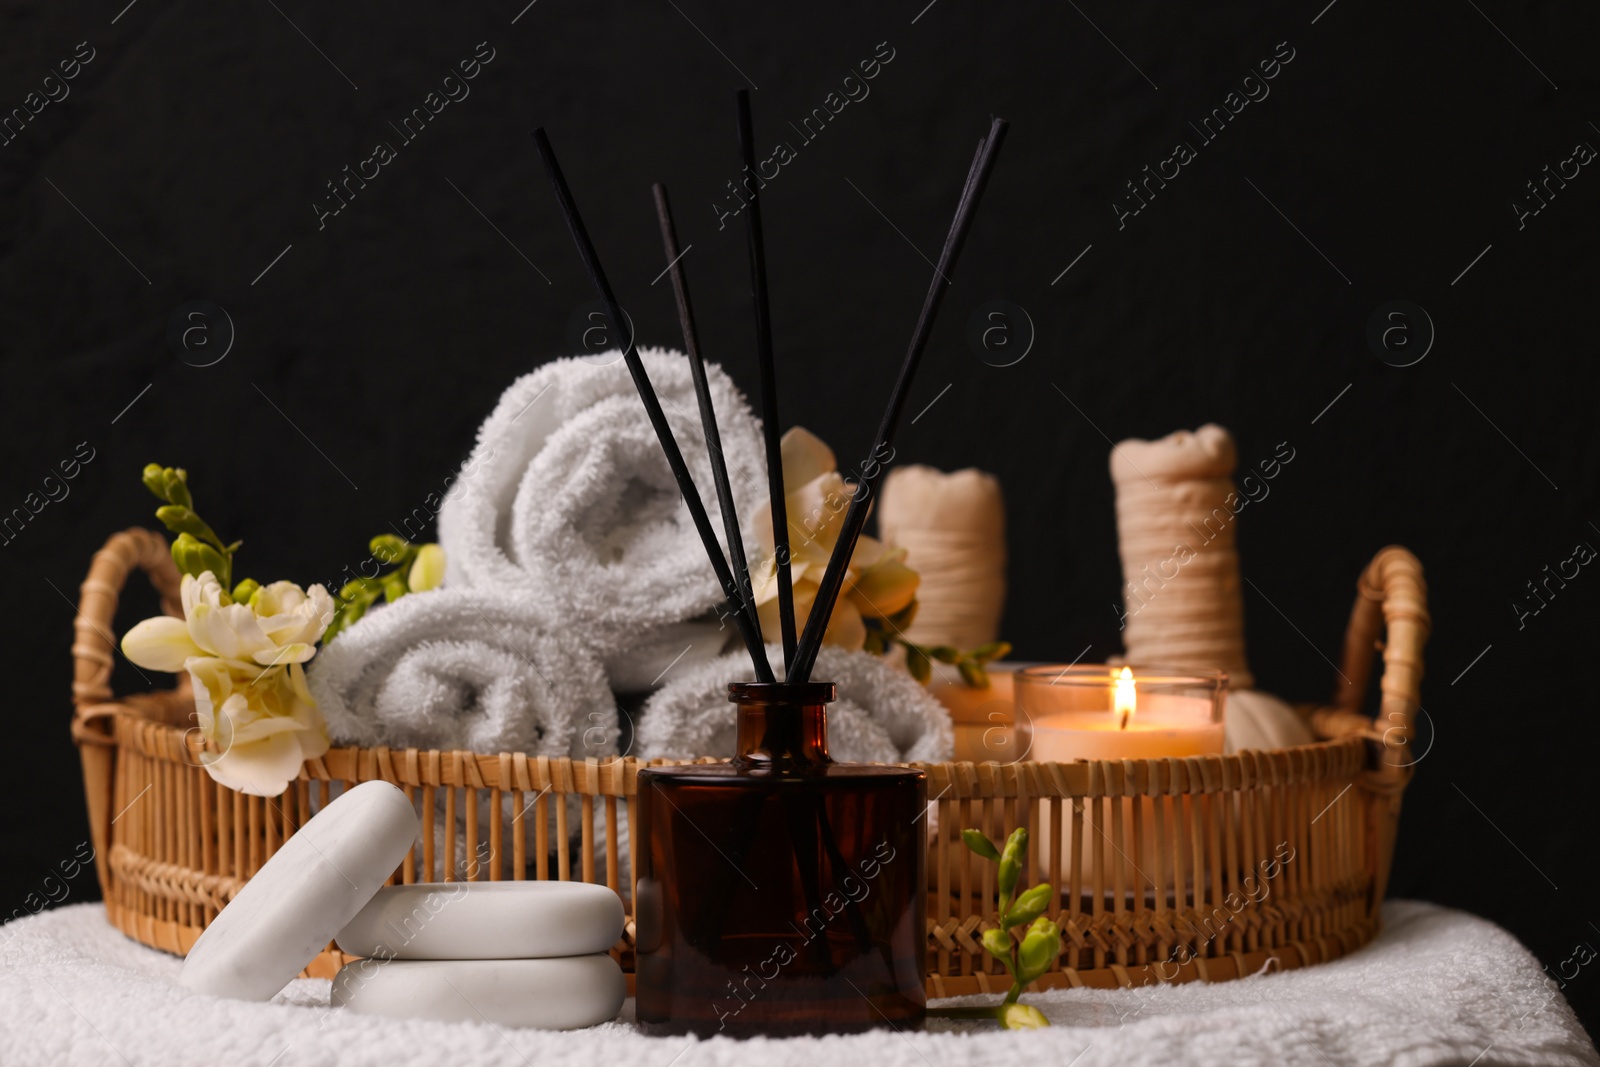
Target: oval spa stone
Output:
[
  {"x": 551, "y": 994},
  {"x": 485, "y": 921},
  {"x": 288, "y": 912}
]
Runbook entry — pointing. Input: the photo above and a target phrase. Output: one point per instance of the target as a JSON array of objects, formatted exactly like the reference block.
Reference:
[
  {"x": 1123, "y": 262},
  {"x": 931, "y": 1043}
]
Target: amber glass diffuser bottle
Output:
[{"x": 781, "y": 893}]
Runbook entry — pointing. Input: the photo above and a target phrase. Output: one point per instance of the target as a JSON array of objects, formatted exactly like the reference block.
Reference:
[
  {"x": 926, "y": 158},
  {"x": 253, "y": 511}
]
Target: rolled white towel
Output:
[
  {"x": 571, "y": 506},
  {"x": 452, "y": 669},
  {"x": 882, "y": 714}
]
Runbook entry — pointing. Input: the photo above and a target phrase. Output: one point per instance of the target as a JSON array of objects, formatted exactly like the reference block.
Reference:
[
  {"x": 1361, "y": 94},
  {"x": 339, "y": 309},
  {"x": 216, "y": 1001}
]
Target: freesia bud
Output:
[
  {"x": 427, "y": 570},
  {"x": 177, "y": 482},
  {"x": 1039, "y": 949},
  {"x": 1029, "y": 906},
  {"x": 155, "y": 480},
  {"x": 998, "y": 944},
  {"x": 1022, "y": 1017},
  {"x": 1011, "y": 861},
  {"x": 183, "y": 520},
  {"x": 979, "y": 843},
  {"x": 193, "y": 557},
  {"x": 389, "y": 549}
]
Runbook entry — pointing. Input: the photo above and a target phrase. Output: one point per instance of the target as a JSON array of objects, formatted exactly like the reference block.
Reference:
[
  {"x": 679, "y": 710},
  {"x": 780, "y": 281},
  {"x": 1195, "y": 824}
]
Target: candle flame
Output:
[{"x": 1124, "y": 698}]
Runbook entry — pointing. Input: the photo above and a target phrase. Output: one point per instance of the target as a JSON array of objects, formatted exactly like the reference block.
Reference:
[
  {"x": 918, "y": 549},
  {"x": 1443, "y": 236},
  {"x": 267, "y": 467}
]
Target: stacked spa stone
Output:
[
  {"x": 507, "y": 953},
  {"x": 514, "y": 953}
]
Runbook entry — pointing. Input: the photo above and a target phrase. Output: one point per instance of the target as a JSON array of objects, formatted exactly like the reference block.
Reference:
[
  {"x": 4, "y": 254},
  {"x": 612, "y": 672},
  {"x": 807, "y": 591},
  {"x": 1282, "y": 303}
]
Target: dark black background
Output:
[{"x": 199, "y": 136}]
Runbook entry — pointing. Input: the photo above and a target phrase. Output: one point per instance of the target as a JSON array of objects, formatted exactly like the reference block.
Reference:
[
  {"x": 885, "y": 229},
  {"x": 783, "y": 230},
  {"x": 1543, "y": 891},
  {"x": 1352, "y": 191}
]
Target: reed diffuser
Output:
[{"x": 779, "y": 893}]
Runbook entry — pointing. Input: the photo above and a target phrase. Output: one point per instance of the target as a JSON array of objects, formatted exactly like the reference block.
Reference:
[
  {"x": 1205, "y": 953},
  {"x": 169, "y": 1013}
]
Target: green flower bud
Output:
[
  {"x": 1039, "y": 949},
  {"x": 1021, "y": 1017},
  {"x": 1029, "y": 906},
  {"x": 394, "y": 586},
  {"x": 195, "y": 558},
  {"x": 998, "y": 944},
  {"x": 177, "y": 483},
  {"x": 182, "y": 520},
  {"x": 977, "y": 842},
  {"x": 154, "y": 479},
  {"x": 427, "y": 570},
  {"x": 389, "y": 549},
  {"x": 917, "y": 663},
  {"x": 993, "y": 650},
  {"x": 1011, "y": 861},
  {"x": 245, "y": 590}
]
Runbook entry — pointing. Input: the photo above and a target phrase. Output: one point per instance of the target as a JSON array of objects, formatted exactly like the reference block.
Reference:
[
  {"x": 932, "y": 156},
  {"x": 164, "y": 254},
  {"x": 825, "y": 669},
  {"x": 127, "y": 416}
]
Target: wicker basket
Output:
[{"x": 175, "y": 847}]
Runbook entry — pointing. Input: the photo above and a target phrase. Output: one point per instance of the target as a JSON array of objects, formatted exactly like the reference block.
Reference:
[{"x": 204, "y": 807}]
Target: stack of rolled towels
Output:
[{"x": 575, "y": 578}]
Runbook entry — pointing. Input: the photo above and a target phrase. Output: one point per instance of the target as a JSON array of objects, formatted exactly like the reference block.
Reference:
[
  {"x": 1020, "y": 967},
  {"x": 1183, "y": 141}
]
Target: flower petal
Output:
[
  {"x": 279, "y": 598},
  {"x": 231, "y": 632},
  {"x": 261, "y": 768},
  {"x": 212, "y": 684},
  {"x": 805, "y": 593},
  {"x": 295, "y": 653},
  {"x": 805, "y": 456},
  {"x": 160, "y": 644},
  {"x": 845, "y": 628},
  {"x": 205, "y": 589},
  {"x": 816, "y": 513},
  {"x": 885, "y": 588},
  {"x": 301, "y": 623}
]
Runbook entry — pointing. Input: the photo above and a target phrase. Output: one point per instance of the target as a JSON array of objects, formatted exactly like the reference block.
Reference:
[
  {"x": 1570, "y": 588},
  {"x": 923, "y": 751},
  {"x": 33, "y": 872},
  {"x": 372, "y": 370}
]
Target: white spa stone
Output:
[
  {"x": 485, "y": 921},
  {"x": 303, "y": 895},
  {"x": 551, "y": 994}
]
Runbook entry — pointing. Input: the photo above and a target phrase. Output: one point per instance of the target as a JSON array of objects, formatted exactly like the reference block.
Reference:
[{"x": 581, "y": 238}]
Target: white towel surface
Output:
[
  {"x": 882, "y": 714},
  {"x": 1437, "y": 987},
  {"x": 453, "y": 669},
  {"x": 570, "y": 504}
]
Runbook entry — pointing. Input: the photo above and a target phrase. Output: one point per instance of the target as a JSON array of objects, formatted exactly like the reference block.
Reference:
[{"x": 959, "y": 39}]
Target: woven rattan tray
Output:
[{"x": 1219, "y": 898}]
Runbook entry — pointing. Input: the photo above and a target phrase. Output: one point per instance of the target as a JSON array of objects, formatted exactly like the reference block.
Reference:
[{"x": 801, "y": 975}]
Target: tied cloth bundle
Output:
[
  {"x": 953, "y": 528},
  {"x": 1177, "y": 525}
]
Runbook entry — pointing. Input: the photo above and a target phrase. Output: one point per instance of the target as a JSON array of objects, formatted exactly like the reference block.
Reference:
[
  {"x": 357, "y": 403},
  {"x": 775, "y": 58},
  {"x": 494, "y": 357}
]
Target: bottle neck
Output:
[{"x": 781, "y": 726}]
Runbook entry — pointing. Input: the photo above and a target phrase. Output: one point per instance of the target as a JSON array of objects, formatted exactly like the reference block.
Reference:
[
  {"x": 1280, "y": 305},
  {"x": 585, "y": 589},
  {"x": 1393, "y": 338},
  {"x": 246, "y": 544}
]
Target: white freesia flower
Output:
[
  {"x": 245, "y": 660},
  {"x": 877, "y": 584}
]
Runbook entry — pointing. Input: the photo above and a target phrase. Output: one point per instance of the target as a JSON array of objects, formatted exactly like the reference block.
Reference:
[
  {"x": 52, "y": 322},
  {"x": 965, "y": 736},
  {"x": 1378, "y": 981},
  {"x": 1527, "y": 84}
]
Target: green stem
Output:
[
  {"x": 1016, "y": 978},
  {"x": 980, "y": 1012}
]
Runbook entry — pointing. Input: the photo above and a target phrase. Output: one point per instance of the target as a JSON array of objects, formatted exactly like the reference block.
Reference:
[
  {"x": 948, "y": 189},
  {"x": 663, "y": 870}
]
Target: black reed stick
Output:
[
  {"x": 872, "y": 470},
  {"x": 708, "y": 414},
  {"x": 769, "y": 385},
  {"x": 652, "y": 407}
]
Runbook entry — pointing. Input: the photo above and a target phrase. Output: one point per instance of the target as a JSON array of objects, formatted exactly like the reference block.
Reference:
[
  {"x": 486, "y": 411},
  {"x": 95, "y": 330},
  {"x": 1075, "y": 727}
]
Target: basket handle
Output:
[
  {"x": 94, "y": 645},
  {"x": 1390, "y": 615}
]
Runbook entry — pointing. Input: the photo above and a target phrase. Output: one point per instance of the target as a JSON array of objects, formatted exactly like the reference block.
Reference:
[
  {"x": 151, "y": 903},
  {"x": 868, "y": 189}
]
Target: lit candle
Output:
[{"x": 1095, "y": 712}]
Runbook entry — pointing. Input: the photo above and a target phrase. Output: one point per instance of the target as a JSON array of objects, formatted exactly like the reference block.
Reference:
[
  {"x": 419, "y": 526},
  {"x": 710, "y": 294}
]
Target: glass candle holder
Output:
[
  {"x": 780, "y": 893},
  {"x": 1091, "y": 711},
  {"x": 1096, "y": 712}
]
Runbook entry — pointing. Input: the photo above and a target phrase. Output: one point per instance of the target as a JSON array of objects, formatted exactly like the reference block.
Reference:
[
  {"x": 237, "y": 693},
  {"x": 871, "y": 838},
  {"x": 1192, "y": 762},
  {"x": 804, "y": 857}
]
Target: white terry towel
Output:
[
  {"x": 881, "y": 715},
  {"x": 570, "y": 506},
  {"x": 1438, "y": 988},
  {"x": 453, "y": 669}
]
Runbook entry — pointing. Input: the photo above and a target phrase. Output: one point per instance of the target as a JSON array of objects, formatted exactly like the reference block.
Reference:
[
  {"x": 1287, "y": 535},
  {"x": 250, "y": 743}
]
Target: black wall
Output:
[{"x": 1383, "y": 164}]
